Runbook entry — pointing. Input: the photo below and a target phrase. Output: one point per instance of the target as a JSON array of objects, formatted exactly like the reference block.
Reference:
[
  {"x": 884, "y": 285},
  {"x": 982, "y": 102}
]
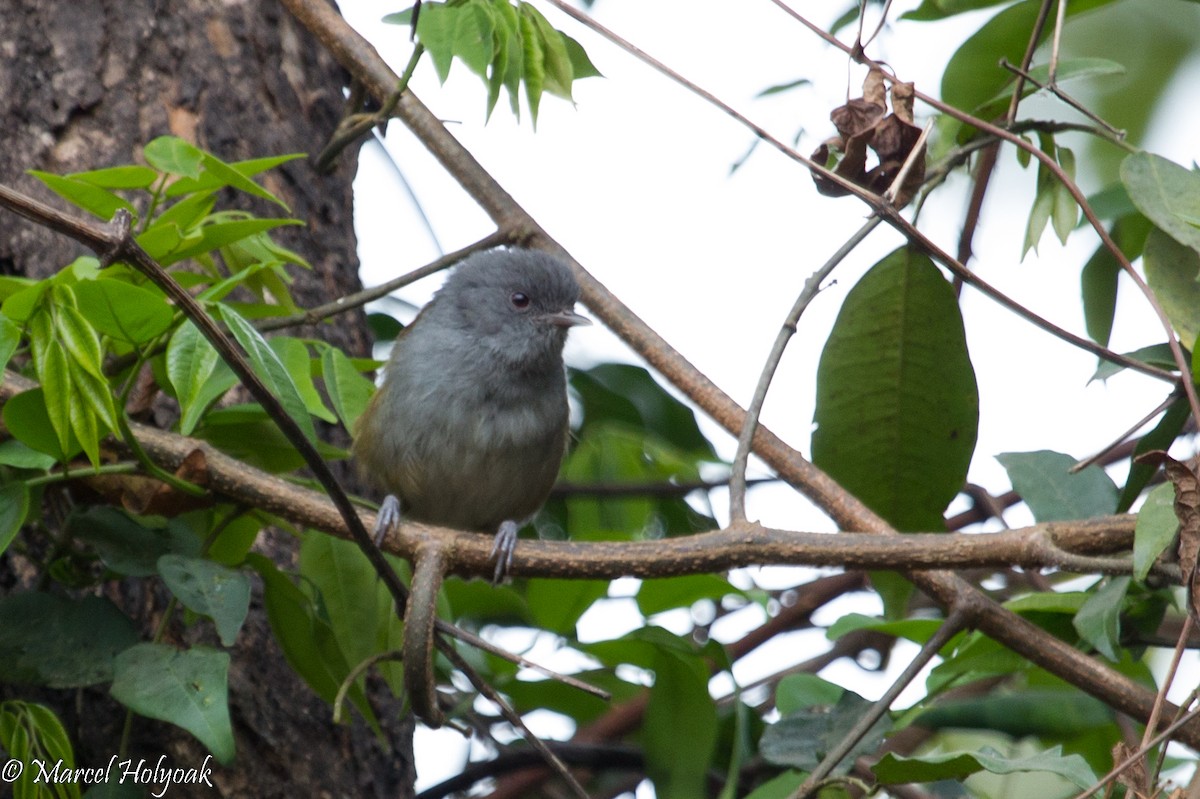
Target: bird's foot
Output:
[
  {"x": 502, "y": 549},
  {"x": 387, "y": 519}
]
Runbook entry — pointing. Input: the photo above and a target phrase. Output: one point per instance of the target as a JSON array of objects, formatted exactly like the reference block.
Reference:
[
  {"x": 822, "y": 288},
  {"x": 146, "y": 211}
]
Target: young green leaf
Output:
[
  {"x": 174, "y": 156},
  {"x": 88, "y": 196},
  {"x": 122, "y": 310},
  {"x": 10, "y": 338},
  {"x": 14, "y": 507},
  {"x": 1172, "y": 270},
  {"x": 191, "y": 360},
  {"x": 348, "y": 390},
  {"x": 119, "y": 177},
  {"x": 1156, "y": 528},
  {"x": 294, "y": 355},
  {"x": 1167, "y": 193}
]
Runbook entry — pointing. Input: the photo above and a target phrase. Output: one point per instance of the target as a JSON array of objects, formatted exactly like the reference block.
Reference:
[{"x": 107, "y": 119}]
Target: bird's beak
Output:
[{"x": 567, "y": 318}]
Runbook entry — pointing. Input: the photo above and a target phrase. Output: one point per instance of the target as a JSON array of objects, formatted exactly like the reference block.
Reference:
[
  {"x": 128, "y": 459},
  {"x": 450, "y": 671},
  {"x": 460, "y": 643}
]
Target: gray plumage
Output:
[{"x": 470, "y": 425}]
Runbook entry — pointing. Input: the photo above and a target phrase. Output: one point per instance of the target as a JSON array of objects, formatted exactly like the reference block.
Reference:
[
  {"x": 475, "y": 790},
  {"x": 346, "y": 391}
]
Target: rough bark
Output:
[{"x": 84, "y": 85}]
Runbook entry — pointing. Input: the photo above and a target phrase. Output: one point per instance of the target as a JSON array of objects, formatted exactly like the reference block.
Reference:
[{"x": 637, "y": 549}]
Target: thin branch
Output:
[
  {"x": 1134, "y": 757},
  {"x": 954, "y": 624},
  {"x": 812, "y": 286},
  {"x": 312, "y": 316},
  {"x": 1052, "y": 87},
  {"x": 1138, "y": 425}
]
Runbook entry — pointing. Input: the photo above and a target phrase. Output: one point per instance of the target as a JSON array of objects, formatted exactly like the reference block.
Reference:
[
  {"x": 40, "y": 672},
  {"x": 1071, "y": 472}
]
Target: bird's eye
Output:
[{"x": 519, "y": 300}]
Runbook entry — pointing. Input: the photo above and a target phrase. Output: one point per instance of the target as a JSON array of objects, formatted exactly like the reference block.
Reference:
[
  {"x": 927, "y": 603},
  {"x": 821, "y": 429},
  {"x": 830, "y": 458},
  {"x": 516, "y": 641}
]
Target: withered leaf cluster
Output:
[{"x": 864, "y": 124}]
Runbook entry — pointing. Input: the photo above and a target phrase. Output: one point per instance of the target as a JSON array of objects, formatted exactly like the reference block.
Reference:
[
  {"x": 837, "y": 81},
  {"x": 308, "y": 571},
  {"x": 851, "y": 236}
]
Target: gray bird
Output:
[{"x": 470, "y": 425}]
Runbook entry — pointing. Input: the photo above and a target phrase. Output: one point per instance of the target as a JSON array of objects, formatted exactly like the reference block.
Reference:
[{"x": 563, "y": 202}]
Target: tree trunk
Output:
[{"x": 84, "y": 86}]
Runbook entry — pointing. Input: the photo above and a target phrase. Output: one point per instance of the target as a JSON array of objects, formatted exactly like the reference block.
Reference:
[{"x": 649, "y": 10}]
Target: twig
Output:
[
  {"x": 950, "y": 627},
  {"x": 1052, "y": 87},
  {"x": 1100, "y": 455},
  {"x": 812, "y": 286},
  {"x": 312, "y": 316},
  {"x": 1133, "y": 758}
]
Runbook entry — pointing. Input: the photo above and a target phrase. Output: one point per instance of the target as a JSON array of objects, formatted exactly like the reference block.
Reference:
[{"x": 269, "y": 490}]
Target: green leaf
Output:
[
  {"x": 1046, "y": 713},
  {"x": 1039, "y": 214},
  {"x": 10, "y": 338},
  {"x": 802, "y": 739},
  {"x": 88, "y": 196},
  {"x": 1052, "y": 493},
  {"x": 940, "y": 9},
  {"x": 897, "y": 407},
  {"x": 534, "y": 64},
  {"x": 556, "y": 605},
  {"x": 1098, "y": 288},
  {"x": 294, "y": 355},
  {"x": 656, "y": 596},
  {"x": 122, "y": 310},
  {"x": 270, "y": 369},
  {"x": 14, "y": 507},
  {"x": 1154, "y": 354},
  {"x": 26, "y": 417},
  {"x": 197, "y": 373},
  {"x": 54, "y": 375},
  {"x": 798, "y": 692},
  {"x": 782, "y": 787},
  {"x": 119, "y": 177},
  {"x": 1065, "y": 214},
  {"x": 1156, "y": 528},
  {"x": 189, "y": 689},
  {"x": 628, "y": 394},
  {"x": 22, "y": 456},
  {"x": 174, "y": 156},
  {"x": 221, "y": 234},
  {"x": 359, "y": 606},
  {"x": 893, "y": 769},
  {"x": 557, "y": 62},
  {"x": 1166, "y": 193},
  {"x": 679, "y": 700},
  {"x": 1172, "y": 270},
  {"x": 246, "y": 432},
  {"x": 123, "y": 543},
  {"x": 305, "y": 635},
  {"x": 1098, "y": 622},
  {"x": 216, "y": 591},
  {"x": 58, "y": 642},
  {"x": 208, "y": 181},
  {"x": 779, "y": 88},
  {"x": 348, "y": 390}
]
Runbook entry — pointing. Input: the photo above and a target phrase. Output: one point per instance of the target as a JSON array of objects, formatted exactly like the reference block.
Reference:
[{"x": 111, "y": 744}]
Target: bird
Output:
[{"x": 470, "y": 424}]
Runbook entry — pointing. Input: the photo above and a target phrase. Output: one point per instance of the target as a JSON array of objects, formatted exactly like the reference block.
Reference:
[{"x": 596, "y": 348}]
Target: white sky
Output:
[{"x": 635, "y": 182}]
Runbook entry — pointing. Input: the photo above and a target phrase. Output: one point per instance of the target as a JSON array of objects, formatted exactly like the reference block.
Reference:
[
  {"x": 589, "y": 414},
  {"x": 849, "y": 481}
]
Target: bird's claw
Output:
[
  {"x": 503, "y": 547},
  {"x": 387, "y": 519}
]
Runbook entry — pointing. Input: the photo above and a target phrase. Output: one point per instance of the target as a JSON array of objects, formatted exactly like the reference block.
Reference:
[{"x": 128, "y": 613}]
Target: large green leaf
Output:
[
  {"x": 219, "y": 592},
  {"x": 679, "y": 701},
  {"x": 802, "y": 738},
  {"x": 897, "y": 406},
  {"x": 123, "y": 311},
  {"x": 58, "y": 642},
  {"x": 1156, "y": 528},
  {"x": 188, "y": 688}
]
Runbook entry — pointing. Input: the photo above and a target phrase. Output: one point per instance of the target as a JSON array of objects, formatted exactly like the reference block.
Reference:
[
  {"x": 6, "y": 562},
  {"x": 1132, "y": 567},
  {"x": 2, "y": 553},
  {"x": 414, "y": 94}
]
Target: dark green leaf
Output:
[
  {"x": 893, "y": 769},
  {"x": 14, "y": 506},
  {"x": 61, "y": 643},
  {"x": 360, "y": 609},
  {"x": 897, "y": 406},
  {"x": 630, "y": 395},
  {"x": 940, "y": 9},
  {"x": 26, "y": 417},
  {"x": 1157, "y": 526},
  {"x": 798, "y": 692},
  {"x": 22, "y": 456},
  {"x": 1161, "y": 437},
  {"x": 306, "y": 636},
  {"x": 1172, "y": 270},
  {"x": 655, "y": 596},
  {"x": 189, "y": 689},
  {"x": 782, "y": 787},
  {"x": 779, "y": 88},
  {"x": 679, "y": 700},
  {"x": 1154, "y": 354},
  {"x": 1098, "y": 287},
  {"x": 1098, "y": 622},
  {"x": 216, "y": 591},
  {"x": 247, "y": 433},
  {"x": 10, "y": 338},
  {"x": 125, "y": 545},
  {"x": 556, "y": 605},
  {"x": 802, "y": 739},
  {"x": 1167, "y": 193},
  {"x": 1048, "y": 713},
  {"x": 1052, "y": 493}
]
